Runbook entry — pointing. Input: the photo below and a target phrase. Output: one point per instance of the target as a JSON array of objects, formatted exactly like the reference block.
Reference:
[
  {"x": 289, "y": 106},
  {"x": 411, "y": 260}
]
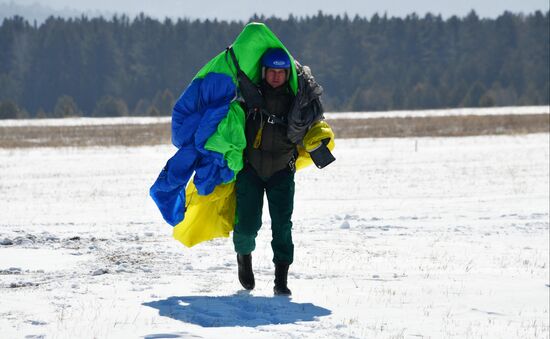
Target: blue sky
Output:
[{"x": 243, "y": 9}]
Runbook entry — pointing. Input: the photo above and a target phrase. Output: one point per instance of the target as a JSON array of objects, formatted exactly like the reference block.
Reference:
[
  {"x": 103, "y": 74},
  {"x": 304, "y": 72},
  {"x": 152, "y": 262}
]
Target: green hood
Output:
[{"x": 249, "y": 46}]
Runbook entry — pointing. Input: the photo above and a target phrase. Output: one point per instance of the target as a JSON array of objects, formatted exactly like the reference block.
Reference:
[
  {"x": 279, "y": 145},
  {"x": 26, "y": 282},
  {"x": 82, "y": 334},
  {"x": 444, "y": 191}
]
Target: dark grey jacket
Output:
[
  {"x": 307, "y": 107},
  {"x": 277, "y": 147},
  {"x": 275, "y": 150}
]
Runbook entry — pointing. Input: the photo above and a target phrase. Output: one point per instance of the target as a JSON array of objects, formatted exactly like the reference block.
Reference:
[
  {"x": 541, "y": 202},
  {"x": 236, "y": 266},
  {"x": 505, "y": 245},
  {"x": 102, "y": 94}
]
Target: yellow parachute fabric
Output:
[
  {"x": 319, "y": 131},
  {"x": 213, "y": 216},
  {"x": 207, "y": 216}
]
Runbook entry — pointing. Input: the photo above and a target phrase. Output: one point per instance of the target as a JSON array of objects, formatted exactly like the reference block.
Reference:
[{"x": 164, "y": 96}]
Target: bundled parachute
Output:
[{"x": 208, "y": 130}]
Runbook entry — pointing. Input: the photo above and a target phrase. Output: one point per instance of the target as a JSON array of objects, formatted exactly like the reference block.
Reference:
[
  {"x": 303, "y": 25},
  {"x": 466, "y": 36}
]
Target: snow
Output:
[
  {"x": 445, "y": 238},
  {"x": 515, "y": 110},
  {"x": 39, "y": 259}
]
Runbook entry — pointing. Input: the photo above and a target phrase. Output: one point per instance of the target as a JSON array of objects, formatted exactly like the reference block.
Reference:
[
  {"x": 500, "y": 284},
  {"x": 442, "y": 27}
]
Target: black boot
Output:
[
  {"x": 246, "y": 276},
  {"x": 281, "y": 273}
]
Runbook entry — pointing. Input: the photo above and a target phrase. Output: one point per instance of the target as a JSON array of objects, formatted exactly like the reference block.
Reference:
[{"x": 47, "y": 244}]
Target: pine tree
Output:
[
  {"x": 109, "y": 106},
  {"x": 65, "y": 107},
  {"x": 9, "y": 110}
]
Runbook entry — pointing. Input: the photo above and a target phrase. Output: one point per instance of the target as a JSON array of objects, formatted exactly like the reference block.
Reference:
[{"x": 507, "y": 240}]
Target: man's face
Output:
[{"x": 275, "y": 77}]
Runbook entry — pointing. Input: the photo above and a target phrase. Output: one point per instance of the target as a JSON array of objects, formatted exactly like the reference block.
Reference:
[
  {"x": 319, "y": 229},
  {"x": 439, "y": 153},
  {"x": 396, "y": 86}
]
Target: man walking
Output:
[{"x": 269, "y": 160}]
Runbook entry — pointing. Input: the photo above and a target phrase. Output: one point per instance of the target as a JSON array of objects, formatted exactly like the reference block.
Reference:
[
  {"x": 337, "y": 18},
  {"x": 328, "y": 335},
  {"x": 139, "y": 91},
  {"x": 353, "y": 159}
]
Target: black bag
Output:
[{"x": 321, "y": 156}]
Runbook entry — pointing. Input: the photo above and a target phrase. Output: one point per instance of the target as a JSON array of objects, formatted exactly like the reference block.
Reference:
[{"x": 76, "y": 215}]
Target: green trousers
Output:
[{"x": 279, "y": 189}]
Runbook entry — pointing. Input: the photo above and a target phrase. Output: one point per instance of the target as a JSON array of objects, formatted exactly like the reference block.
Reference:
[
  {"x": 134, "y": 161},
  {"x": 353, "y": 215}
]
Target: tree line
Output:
[{"x": 121, "y": 66}]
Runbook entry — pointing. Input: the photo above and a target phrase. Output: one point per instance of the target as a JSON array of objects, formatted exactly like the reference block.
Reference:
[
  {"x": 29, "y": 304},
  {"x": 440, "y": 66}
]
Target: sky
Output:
[{"x": 244, "y": 9}]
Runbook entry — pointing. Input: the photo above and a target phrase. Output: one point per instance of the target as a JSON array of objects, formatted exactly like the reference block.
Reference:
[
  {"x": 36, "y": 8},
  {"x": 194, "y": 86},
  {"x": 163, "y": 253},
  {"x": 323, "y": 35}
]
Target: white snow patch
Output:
[
  {"x": 345, "y": 225},
  {"x": 37, "y": 259}
]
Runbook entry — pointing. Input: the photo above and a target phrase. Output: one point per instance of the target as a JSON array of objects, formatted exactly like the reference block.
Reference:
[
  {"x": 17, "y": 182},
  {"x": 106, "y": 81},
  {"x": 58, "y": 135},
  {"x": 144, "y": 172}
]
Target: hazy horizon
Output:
[{"x": 242, "y": 10}]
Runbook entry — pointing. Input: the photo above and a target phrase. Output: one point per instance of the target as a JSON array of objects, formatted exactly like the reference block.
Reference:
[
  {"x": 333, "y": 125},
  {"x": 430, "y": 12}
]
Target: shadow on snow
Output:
[{"x": 236, "y": 310}]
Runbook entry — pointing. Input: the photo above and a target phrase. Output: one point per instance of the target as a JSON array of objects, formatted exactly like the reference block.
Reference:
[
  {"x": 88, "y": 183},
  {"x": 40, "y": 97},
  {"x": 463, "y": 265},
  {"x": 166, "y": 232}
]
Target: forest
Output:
[{"x": 139, "y": 66}]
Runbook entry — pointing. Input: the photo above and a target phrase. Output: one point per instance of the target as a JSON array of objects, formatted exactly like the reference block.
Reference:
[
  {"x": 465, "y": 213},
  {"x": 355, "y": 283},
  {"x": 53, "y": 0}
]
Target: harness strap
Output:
[
  {"x": 251, "y": 94},
  {"x": 234, "y": 58}
]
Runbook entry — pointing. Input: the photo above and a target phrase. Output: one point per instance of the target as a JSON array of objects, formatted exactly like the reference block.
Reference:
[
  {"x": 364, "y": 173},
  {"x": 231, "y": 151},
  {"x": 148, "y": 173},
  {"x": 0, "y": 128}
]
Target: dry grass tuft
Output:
[
  {"x": 448, "y": 126},
  {"x": 159, "y": 133},
  {"x": 82, "y": 136}
]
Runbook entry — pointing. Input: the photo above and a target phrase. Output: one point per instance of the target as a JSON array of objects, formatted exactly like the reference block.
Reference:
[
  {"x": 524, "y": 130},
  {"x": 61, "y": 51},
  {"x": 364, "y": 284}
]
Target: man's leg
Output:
[
  {"x": 280, "y": 195},
  {"x": 250, "y": 198}
]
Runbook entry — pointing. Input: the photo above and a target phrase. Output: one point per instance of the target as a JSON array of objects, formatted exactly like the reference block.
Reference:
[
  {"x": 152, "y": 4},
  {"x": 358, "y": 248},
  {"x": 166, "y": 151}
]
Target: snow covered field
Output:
[{"x": 399, "y": 238}]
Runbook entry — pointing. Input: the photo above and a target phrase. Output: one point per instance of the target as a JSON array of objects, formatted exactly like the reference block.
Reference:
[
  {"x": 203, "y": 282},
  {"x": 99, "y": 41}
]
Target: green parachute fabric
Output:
[{"x": 249, "y": 46}]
